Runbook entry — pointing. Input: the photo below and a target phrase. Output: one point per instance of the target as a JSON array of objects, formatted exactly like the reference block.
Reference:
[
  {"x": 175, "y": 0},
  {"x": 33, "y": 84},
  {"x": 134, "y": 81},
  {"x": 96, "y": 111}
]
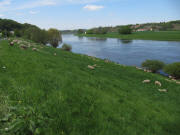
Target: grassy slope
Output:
[
  {"x": 166, "y": 35},
  {"x": 74, "y": 100}
]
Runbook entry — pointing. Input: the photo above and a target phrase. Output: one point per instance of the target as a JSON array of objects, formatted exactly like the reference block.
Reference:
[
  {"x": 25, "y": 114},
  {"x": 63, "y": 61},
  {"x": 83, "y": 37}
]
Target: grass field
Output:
[
  {"x": 163, "y": 35},
  {"x": 43, "y": 93}
]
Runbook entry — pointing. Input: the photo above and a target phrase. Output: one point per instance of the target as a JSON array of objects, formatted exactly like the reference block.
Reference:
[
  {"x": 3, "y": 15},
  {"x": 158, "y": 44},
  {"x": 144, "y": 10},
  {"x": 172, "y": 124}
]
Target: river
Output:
[{"x": 127, "y": 52}]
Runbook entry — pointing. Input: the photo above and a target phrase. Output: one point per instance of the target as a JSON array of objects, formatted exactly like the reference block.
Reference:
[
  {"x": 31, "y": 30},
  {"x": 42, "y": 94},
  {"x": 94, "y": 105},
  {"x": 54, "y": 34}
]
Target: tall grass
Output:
[{"x": 60, "y": 95}]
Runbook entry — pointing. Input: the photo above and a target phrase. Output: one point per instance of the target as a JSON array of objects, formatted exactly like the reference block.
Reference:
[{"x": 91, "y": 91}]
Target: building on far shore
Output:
[
  {"x": 145, "y": 29},
  {"x": 138, "y": 30}
]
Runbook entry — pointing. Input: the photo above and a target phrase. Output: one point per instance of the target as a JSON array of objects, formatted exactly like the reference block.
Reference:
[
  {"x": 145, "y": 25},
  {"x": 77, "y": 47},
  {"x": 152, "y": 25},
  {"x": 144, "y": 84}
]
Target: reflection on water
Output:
[
  {"x": 127, "y": 52},
  {"x": 125, "y": 41},
  {"x": 80, "y": 37},
  {"x": 97, "y": 39}
]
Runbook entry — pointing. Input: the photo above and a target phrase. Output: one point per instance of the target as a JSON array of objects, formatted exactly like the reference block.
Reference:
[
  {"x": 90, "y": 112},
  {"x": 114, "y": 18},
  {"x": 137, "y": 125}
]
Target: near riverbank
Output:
[
  {"x": 48, "y": 91},
  {"x": 161, "y": 35}
]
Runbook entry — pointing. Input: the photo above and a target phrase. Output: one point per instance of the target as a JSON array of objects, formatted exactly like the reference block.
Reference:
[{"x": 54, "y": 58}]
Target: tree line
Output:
[
  {"x": 104, "y": 30},
  {"x": 9, "y": 28},
  {"x": 127, "y": 29}
]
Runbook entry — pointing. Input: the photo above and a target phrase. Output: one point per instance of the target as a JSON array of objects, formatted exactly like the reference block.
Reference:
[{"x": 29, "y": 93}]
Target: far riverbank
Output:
[{"x": 160, "y": 35}]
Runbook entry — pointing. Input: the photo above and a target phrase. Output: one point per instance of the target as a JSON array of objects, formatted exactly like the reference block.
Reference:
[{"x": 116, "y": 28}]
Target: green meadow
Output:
[
  {"x": 49, "y": 91},
  {"x": 160, "y": 35}
]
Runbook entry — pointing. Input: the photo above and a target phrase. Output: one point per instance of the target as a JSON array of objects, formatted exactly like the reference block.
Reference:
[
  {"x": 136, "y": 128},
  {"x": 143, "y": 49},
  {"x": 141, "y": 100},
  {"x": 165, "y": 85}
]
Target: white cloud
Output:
[
  {"x": 80, "y": 1},
  {"x": 33, "y": 12},
  {"x": 12, "y": 5},
  {"x": 5, "y": 3},
  {"x": 93, "y": 7},
  {"x": 38, "y": 3}
]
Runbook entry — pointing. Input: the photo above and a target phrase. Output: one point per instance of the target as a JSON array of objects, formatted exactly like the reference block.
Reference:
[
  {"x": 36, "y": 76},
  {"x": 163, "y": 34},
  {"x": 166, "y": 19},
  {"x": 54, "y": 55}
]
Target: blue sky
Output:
[{"x": 74, "y": 14}]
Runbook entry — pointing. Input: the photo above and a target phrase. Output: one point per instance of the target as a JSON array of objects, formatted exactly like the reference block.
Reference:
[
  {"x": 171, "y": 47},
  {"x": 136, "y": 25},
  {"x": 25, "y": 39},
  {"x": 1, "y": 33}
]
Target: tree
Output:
[
  {"x": 90, "y": 31},
  {"x": 6, "y": 33},
  {"x": 125, "y": 30},
  {"x": 100, "y": 30},
  {"x": 54, "y": 37},
  {"x": 36, "y": 34},
  {"x": 18, "y": 33},
  {"x": 80, "y": 31}
]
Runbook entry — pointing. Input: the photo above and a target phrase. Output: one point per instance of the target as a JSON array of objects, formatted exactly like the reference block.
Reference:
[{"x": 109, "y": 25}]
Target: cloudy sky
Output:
[{"x": 74, "y": 14}]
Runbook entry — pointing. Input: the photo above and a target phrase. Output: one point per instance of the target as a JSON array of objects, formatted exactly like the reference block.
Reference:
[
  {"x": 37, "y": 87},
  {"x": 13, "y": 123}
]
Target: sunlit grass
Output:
[{"x": 59, "y": 95}]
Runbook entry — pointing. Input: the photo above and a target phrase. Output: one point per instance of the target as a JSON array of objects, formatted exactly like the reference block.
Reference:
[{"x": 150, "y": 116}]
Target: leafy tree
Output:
[
  {"x": 125, "y": 30},
  {"x": 101, "y": 30},
  {"x": 166, "y": 26},
  {"x": 9, "y": 25},
  {"x": 18, "y": 33},
  {"x": 80, "y": 31},
  {"x": 6, "y": 33},
  {"x": 54, "y": 37},
  {"x": 90, "y": 31},
  {"x": 37, "y": 35}
]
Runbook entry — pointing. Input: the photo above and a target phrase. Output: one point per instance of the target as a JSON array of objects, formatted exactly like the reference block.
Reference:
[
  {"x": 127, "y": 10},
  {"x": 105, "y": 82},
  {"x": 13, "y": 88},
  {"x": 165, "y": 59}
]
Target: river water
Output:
[{"x": 127, "y": 52}]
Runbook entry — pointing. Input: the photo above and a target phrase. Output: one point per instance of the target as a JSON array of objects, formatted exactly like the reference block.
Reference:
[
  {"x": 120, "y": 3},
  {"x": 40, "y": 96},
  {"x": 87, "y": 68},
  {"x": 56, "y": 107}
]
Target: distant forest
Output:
[{"x": 162, "y": 26}]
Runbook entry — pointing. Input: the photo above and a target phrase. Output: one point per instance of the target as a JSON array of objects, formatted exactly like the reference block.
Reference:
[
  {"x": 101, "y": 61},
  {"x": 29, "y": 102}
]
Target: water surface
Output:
[{"x": 127, "y": 52}]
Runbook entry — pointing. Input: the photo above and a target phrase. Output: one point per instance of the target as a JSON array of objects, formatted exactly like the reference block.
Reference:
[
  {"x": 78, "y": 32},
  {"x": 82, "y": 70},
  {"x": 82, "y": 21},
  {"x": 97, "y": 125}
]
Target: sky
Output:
[{"x": 75, "y": 14}]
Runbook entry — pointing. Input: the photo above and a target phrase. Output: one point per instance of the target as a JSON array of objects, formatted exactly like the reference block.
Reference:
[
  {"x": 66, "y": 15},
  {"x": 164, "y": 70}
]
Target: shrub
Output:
[
  {"x": 90, "y": 31},
  {"x": 153, "y": 65},
  {"x": 173, "y": 69},
  {"x": 80, "y": 31},
  {"x": 67, "y": 47},
  {"x": 125, "y": 30}
]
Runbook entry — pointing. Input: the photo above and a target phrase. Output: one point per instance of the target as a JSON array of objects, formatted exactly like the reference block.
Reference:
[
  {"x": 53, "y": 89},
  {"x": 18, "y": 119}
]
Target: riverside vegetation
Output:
[
  {"x": 148, "y": 35},
  {"x": 48, "y": 91},
  {"x": 167, "y": 31},
  {"x": 10, "y": 28}
]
